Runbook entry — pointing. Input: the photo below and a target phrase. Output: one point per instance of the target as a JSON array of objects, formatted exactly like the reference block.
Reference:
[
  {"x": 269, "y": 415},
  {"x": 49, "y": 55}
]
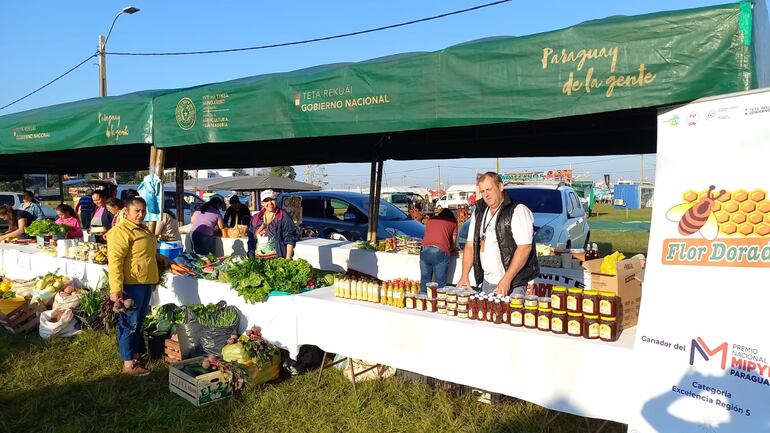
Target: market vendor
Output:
[
  {"x": 17, "y": 220},
  {"x": 102, "y": 219},
  {"x": 237, "y": 213},
  {"x": 169, "y": 227},
  {"x": 437, "y": 247},
  {"x": 500, "y": 246},
  {"x": 117, "y": 209},
  {"x": 67, "y": 216},
  {"x": 206, "y": 224},
  {"x": 29, "y": 204},
  {"x": 272, "y": 232},
  {"x": 133, "y": 270}
]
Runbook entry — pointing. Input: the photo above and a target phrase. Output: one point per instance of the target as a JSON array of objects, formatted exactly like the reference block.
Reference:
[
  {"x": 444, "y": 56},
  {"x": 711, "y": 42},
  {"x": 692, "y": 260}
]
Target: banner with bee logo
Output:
[{"x": 702, "y": 348}]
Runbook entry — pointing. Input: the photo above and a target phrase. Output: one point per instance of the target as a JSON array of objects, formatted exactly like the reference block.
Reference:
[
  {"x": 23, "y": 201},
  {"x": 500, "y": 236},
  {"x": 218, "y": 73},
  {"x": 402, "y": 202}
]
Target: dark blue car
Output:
[{"x": 339, "y": 214}]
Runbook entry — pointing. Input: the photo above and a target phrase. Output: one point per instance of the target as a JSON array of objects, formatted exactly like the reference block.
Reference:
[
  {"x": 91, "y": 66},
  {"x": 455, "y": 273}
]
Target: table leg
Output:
[{"x": 324, "y": 366}]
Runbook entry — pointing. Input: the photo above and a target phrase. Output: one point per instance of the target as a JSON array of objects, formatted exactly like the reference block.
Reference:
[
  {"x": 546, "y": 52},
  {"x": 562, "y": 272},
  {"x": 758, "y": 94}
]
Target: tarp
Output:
[
  {"x": 254, "y": 183},
  {"x": 96, "y": 122},
  {"x": 590, "y": 89},
  {"x": 605, "y": 65}
]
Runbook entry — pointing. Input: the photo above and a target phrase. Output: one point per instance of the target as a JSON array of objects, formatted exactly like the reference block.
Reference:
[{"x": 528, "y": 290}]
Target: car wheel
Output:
[{"x": 337, "y": 236}]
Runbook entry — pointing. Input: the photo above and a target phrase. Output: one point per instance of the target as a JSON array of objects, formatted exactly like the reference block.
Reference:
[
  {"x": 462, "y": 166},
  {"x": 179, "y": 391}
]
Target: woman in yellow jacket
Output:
[{"x": 133, "y": 270}]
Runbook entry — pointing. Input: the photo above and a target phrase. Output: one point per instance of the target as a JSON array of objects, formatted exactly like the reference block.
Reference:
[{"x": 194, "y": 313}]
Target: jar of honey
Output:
[
  {"x": 431, "y": 289},
  {"x": 590, "y": 302},
  {"x": 409, "y": 301},
  {"x": 590, "y": 326},
  {"x": 431, "y": 305},
  {"x": 531, "y": 301},
  {"x": 517, "y": 312},
  {"x": 574, "y": 299},
  {"x": 419, "y": 302},
  {"x": 441, "y": 293},
  {"x": 544, "y": 319},
  {"x": 608, "y": 328},
  {"x": 559, "y": 297},
  {"x": 575, "y": 324},
  {"x": 530, "y": 317},
  {"x": 544, "y": 302},
  {"x": 608, "y": 304},
  {"x": 559, "y": 321}
]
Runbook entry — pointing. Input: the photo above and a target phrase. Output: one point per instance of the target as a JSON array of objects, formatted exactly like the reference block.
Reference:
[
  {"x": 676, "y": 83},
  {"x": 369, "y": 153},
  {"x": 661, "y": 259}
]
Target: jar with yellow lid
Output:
[
  {"x": 530, "y": 317},
  {"x": 575, "y": 324},
  {"x": 590, "y": 326},
  {"x": 544, "y": 319},
  {"x": 590, "y": 302},
  {"x": 608, "y": 328},
  {"x": 559, "y": 321},
  {"x": 517, "y": 312},
  {"x": 574, "y": 299},
  {"x": 608, "y": 304},
  {"x": 559, "y": 297}
]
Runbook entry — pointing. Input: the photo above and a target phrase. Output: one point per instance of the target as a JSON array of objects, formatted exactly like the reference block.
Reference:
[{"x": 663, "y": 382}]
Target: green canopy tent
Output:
[{"x": 590, "y": 89}]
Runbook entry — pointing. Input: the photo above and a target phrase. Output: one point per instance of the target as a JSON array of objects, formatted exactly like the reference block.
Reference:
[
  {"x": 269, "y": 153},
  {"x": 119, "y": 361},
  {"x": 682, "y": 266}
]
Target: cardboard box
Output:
[
  {"x": 202, "y": 390},
  {"x": 627, "y": 284}
]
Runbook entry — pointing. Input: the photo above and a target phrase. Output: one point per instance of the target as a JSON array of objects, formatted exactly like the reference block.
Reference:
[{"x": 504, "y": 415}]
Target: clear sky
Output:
[{"x": 41, "y": 39}]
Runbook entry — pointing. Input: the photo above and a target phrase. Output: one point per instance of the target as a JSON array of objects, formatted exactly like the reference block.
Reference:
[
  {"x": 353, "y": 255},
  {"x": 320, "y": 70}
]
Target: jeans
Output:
[
  {"x": 85, "y": 219},
  {"x": 131, "y": 323},
  {"x": 203, "y": 244},
  {"x": 433, "y": 261},
  {"x": 488, "y": 287}
]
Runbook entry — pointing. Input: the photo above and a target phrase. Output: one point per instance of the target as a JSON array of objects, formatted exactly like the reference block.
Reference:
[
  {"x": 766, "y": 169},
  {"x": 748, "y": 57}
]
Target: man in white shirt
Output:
[{"x": 499, "y": 248}]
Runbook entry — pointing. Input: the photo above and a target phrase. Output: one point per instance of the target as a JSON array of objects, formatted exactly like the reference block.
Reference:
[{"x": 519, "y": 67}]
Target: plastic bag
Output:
[
  {"x": 189, "y": 335},
  {"x": 57, "y": 323},
  {"x": 44, "y": 296},
  {"x": 214, "y": 339},
  {"x": 608, "y": 266},
  {"x": 235, "y": 353},
  {"x": 71, "y": 301},
  {"x": 24, "y": 289}
]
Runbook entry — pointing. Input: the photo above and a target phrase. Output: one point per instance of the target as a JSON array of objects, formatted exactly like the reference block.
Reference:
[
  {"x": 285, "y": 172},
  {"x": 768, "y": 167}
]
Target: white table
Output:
[
  {"x": 569, "y": 374},
  {"x": 275, "y": 316}
]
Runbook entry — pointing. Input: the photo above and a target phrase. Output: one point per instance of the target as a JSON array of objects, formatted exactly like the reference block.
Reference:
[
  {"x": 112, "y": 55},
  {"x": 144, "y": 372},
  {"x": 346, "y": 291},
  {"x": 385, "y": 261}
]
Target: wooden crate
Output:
[
  {"x": 23, "y": 319},
  {"x": 200, "y": 390},
  {"x": 171, "y": 351}
]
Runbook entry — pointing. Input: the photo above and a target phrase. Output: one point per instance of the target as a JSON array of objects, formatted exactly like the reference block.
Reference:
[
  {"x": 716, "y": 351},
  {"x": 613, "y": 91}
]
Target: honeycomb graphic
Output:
[{"x": 740, "y": 213}]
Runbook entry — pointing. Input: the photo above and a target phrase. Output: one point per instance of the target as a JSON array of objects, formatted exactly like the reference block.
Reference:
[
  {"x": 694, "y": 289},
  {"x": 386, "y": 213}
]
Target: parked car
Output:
[
  {"x": 192, "y": 201},
  {"x": 14, "y": 200},
  {"x": 559, "y": 215},
  {"x": 456, "y": 195},
  {"x": 344, "y": 215}
]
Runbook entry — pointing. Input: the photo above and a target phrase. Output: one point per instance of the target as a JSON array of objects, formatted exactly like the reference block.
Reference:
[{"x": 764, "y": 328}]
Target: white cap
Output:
[{"x": 267, "y": 194}]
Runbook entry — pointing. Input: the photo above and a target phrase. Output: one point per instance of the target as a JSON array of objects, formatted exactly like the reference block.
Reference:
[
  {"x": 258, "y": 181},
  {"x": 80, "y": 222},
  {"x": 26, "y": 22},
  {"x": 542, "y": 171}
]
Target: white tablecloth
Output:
[
  {"x": 276, "y": 316},
  {"x": 569, "y": 374}
]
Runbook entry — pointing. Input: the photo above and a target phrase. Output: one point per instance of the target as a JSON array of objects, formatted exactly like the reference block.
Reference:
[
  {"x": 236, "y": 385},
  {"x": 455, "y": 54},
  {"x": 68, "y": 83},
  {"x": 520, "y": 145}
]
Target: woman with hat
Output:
[{"x": 272, "y": 233}]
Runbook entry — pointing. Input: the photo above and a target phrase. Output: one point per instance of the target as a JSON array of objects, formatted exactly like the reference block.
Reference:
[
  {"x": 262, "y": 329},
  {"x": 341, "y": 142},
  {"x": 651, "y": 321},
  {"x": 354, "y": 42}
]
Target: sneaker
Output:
[{"x": 136, "y": 370}]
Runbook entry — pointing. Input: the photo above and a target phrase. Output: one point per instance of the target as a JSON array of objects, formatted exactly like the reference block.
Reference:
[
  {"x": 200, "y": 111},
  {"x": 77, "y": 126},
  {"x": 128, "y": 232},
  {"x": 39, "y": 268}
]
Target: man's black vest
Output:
[{"x": 505, "y": 240}]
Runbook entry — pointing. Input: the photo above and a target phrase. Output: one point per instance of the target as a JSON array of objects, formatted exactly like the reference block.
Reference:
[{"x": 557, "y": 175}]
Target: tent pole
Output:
[
  {"x": 179, "y": 179},
  {"x": 376, "y": 214},
  {"x": 61, "y": 189},
  {"x": 372, "y": 179}
]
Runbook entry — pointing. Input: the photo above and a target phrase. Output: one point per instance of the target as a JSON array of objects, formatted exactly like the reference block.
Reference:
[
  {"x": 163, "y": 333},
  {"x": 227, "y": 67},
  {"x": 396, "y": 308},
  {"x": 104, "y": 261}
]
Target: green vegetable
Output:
[
  {"x": 9, "y": 295},
  {"x": 366, "y": 245},
  {"x": 216, "y": 316},
  {"x": 90, "y": 301},
  {"x": 46, "y": 227},
  {"x": 254, "y": 278}
]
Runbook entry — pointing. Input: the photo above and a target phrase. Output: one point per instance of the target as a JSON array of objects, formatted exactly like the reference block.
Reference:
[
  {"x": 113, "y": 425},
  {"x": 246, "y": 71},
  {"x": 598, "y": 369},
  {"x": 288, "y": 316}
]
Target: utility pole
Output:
[
  {"x": 641, "y": 169},
  {"x": 497, "y": 165},
  {"x": 438, "y": 188}
]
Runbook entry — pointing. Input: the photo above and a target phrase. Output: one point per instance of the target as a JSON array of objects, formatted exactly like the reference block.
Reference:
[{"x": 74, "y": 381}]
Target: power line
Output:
[
  {"x": 50, "y": 82},
  {"x": 325, "y": 38}
]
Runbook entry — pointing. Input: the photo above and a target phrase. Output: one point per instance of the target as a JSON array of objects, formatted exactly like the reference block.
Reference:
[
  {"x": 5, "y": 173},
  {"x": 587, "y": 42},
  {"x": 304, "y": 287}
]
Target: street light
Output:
[
  {"x": 102, "y": 45},
  {"x": 103, "y": 58}
]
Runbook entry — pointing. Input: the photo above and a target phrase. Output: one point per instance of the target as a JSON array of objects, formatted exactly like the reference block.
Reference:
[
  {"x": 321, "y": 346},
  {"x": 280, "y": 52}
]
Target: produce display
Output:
[
  {"x": 89, "y": 252},
  {"x": 6, "y": 291},
  {"x": 397, "y": 244},
  {"x": 44, "y": 227},
  {"x": 204, "y": 267},
  {"x": 254, "y": 279}
]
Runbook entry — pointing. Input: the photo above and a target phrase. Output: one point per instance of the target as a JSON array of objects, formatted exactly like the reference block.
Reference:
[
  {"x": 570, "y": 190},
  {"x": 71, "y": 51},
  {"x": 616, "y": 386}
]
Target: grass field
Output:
[
  {"x": 73, "y": 385},
  {"x": 629, "y": 243}
]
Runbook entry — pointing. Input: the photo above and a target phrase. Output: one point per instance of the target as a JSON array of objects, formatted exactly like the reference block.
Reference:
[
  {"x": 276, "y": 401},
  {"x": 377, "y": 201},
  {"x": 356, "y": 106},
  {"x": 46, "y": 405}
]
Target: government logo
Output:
[{"x": 185, "y": 113}]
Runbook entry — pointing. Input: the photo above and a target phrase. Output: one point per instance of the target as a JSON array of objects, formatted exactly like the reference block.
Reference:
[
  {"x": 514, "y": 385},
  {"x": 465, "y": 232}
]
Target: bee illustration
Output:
[{"x": 697, "y": 217}]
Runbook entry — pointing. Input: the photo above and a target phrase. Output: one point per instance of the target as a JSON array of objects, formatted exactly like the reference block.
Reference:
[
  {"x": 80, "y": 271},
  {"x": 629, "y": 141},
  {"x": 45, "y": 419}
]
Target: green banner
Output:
[
  {"x": 611, "y": 64},
  {"x": 112, "y": 120},
  {"x": 599, "y": 66}
]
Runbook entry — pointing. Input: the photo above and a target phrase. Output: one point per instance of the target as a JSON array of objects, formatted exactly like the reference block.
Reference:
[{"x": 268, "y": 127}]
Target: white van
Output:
[{"x": 456, "y": 195}]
